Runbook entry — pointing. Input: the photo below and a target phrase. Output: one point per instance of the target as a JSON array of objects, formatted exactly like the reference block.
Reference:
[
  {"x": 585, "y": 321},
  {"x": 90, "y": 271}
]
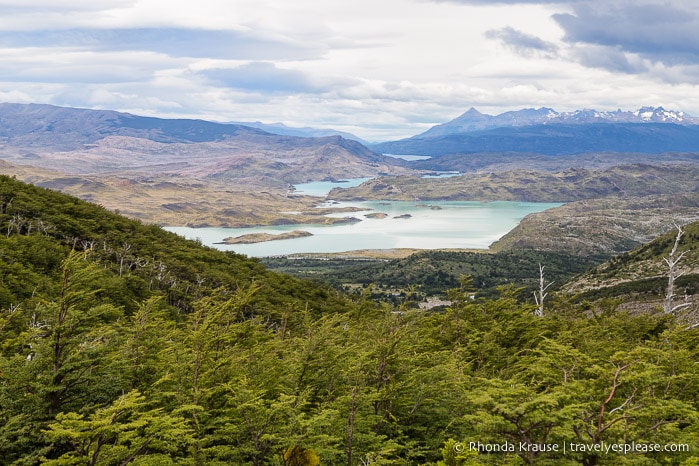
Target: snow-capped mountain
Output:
[
  {"x": 473, "y": 120},
  {"x": 642, "y": 115},
  {"x": 648, "y": 130}
]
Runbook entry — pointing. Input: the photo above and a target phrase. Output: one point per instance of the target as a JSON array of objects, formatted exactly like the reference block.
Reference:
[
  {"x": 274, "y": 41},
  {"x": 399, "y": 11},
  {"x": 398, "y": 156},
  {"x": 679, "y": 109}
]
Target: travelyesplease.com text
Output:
[{"x": 572, "y": 447}]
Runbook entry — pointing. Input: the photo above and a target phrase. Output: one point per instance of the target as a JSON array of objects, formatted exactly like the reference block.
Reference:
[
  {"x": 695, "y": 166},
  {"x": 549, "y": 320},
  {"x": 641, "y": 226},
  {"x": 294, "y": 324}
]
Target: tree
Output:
[
  {"x": 118, "y": 434},
  {"x": 57, "y": 352},
  {"x": 541, "y": 294},
  {"x": 69, "y": 339},
  {"x": 146, "y": 334},
  {"x": 673, "y": 274},
  {"x": 297, "y": 456}
]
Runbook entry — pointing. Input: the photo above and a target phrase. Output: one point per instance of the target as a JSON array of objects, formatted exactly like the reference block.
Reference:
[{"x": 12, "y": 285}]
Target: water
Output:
[
  {"x": 442, "y": 175},
  {"x": 322, "y": 188},
  {"x": 431, "y": 225},
  {"x": 409, "y": 157}
]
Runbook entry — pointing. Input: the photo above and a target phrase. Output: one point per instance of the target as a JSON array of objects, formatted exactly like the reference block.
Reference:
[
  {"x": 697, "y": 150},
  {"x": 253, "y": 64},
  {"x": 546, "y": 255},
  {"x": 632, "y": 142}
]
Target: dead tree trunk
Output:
[
  {"x": 540, "y": 295},
  {"x": 673, "y": 274}
]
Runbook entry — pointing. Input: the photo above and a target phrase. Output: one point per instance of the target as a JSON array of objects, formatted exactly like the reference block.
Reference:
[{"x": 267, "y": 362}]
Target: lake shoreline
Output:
[{"x": 406, "y": 225}]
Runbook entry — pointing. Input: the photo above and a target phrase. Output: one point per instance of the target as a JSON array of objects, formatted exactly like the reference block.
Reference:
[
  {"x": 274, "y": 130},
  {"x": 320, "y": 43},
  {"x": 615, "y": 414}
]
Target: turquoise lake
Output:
[
  {"x": 322, "y": 188},
  {"x": 426, "y": 225}
]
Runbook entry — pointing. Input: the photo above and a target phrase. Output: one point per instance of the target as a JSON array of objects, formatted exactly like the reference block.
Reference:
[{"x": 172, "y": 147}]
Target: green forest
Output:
[
  {"x": 432, "y": 273},
  {"x": 121, "y": 343}
]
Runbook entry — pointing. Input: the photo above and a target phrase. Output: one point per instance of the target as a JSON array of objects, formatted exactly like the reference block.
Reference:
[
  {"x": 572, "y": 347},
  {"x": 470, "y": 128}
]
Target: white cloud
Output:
[{"x": 379, "y": 69}]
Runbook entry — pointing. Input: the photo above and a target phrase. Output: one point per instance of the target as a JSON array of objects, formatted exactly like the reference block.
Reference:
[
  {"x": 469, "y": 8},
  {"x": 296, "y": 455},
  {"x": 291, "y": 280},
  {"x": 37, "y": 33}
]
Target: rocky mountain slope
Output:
[
  {"x": 306, "y": 132},
  {"x": 507, "y": 161},
  {"x": 89, "y": 142},
  {"x": 606, "y": 226},
  {"x": 533, "y": 185}
]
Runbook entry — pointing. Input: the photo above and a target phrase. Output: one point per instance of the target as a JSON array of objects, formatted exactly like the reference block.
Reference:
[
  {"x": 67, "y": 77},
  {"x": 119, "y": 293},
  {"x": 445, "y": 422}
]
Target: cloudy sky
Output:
[{"x": 381, "y": 69}]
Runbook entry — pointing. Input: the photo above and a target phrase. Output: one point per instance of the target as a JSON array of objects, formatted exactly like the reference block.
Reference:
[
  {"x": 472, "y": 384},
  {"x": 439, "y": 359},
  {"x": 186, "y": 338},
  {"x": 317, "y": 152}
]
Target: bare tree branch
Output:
[
  {"x": 540, "y": 295},
  {"x": 673, "y": 274}
]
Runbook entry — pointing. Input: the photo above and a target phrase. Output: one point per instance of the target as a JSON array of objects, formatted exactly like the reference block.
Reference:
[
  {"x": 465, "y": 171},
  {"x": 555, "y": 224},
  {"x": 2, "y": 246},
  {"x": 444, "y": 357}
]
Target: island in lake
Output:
[{"x": 262, "y": 237}]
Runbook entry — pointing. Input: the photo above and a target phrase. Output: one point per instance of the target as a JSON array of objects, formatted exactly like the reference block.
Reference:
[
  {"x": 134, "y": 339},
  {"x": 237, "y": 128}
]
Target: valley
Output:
[
  {"x": 307, "y": 233},
  {"x": 200, "y": 175},
  {"x": 196, "y": 175},
  {"x": 123, "y": 341}
]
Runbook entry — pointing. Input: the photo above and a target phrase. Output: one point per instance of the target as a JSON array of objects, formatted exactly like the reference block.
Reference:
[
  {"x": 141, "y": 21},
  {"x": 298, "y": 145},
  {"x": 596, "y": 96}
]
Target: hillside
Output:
[
  {"x": 508, "y": 161},
  {"x": 640, "y": 276},
  {"x": 41, "y": 226},
  {"x": 174, "y": 201},
  {"x": 606, "y": 226},
  {"x": 65, "y": 128},
  {"x": 532, "y": 185},
  {"x": 98, "y": 142}
]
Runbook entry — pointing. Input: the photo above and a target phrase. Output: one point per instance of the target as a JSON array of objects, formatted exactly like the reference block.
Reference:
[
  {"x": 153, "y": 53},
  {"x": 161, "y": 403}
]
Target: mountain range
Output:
[
  {"x": 31, "y": 130},
  {"x": 304, "y": 132},
  {"x": 473, "y": 120},
  {"x": 545, "y": 131},
  {"x": 82, "y": 141},
  {"x": 184, "y": 171},
  {"x": 65, "y": 128}
]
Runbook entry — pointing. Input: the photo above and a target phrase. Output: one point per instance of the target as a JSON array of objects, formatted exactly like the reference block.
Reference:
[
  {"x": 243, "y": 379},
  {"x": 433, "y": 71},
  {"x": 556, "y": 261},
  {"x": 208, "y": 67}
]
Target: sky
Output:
[{"x": 380, "y": 69}]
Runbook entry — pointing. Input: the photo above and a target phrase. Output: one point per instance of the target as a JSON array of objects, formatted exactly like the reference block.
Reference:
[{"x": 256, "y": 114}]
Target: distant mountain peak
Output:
[
  {"x": 471, "y": 115},
  {"x": 660, "y": 115},
  {"x": 472, "y": 112}
]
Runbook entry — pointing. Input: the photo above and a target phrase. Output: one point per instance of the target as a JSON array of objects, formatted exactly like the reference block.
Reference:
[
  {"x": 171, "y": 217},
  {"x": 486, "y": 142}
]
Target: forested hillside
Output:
[
  {"x": 123, "y": 344},
  {"x": 642, "y": 274},
  {"x": 40, "y": 226},
  {"x": 432, "y": 273}
]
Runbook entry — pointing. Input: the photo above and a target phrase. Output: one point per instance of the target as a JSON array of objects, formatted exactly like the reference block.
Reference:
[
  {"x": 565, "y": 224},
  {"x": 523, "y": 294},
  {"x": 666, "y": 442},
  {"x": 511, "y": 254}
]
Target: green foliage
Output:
[
  {"x": 297, "y": 456},
  {"x": 641, "y": 275},
  {"x": 38, "y": 228},
  {"x": 205, "y": 358},
  {"x": 432, "y": 273},
  {"x": 119, "y": 433},
  {"x": 455, "y": 454}
]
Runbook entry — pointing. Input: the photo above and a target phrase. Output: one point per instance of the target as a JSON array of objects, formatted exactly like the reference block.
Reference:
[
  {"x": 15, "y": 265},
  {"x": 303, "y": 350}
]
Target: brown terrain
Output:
[
  {"x": 196, "y": 173},
  {"x": 178, "y": 172}
]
